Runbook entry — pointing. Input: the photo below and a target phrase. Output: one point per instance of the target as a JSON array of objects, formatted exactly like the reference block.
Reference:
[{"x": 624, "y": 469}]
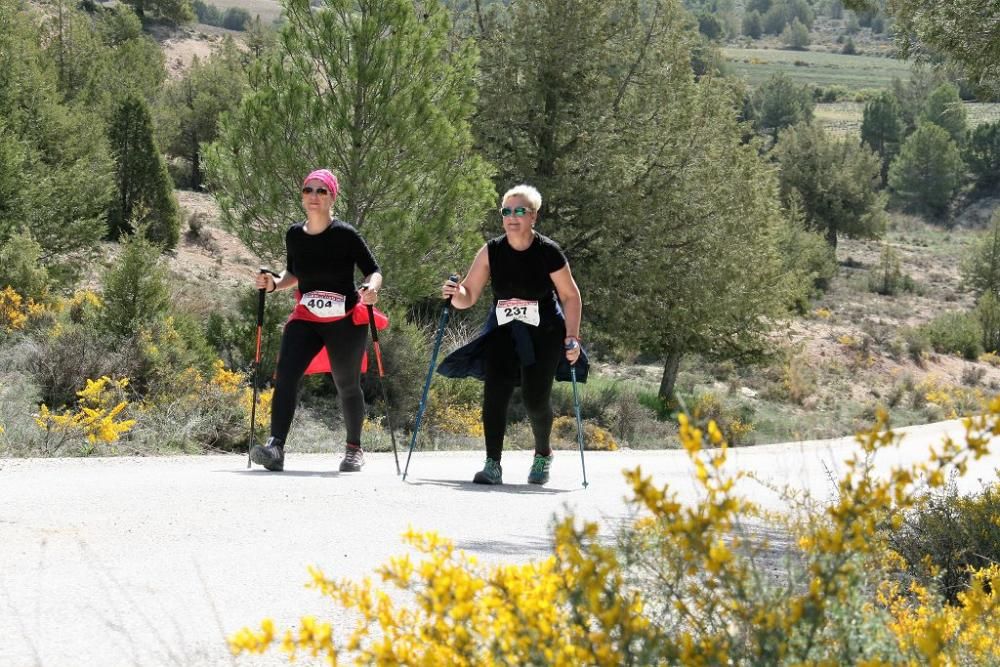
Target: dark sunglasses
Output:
[
  {"x": 518, "y": 212},
  {"x": 308, "y": 190}
]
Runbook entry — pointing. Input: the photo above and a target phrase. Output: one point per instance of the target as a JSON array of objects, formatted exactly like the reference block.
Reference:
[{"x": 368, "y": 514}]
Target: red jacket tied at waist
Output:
[{"x": 358, "y": 315}]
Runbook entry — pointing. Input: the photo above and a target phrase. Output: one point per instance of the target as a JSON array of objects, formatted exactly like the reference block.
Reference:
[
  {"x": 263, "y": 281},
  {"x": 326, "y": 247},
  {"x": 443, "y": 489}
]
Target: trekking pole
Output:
[
  {"x": 579, "y": 421},
  {"x": 430, "y": 374},
  {"x": 381, "y": 380},
  {"x": 256, "y": 360}
]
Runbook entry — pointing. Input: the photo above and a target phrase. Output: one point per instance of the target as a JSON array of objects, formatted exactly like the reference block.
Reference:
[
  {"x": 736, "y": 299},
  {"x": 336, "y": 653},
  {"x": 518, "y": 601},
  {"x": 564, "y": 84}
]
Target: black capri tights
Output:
[
  {"x": 301, "y": 341},
  {"x": 504, "y": 370}
]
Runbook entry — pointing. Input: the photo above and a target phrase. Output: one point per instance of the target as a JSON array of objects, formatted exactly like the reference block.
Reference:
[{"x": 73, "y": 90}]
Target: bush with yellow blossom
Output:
[
  {"x": 684, "y": 586},
  {"x": 97, "y": 416}
]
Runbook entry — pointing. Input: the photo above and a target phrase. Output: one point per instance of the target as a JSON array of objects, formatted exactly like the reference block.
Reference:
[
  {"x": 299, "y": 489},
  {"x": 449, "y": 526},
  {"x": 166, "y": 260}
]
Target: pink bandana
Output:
[{"x": 326, "y": 177}]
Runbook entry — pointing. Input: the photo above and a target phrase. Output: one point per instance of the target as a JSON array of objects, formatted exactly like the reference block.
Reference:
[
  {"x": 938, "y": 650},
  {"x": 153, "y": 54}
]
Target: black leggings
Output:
[
  {"x": 301, "y": 341},
  {"x": 503, "y": 370}
]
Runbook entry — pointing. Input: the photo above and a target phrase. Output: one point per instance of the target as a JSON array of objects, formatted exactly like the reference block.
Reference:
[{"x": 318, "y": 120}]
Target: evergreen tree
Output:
[
  {"x": 988, "y": 313},
  {"x": 100, "y": 59},
  {"x": 55, "y": 172},
  {"x": 963, "y": 30},
  {"x": 375, "y": 91},
  {"x": 752, "y": 25},
  {"x": 134, "y": 287},
  {"x": 796, "y": 35},
  {"x": 145, "y": 193},
  {"x": 834, "y": 180},
  {"x": 20, "y": 266},
  {"x": 926, "y": 174},
  {"x": 174, "y": 11},
  {"x": 882, "y": 129},
  {"x": 780, "y": 103},
  {"x": 647, "y": 184},
  {"x": 944, "y": 108},
  {"x": 980, "y": 269},
  {"x": 191, "y": 105},
  {"x": 982, "y": 154}
]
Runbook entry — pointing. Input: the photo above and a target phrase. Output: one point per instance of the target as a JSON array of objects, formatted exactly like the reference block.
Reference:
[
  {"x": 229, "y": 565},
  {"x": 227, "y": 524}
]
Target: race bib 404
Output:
[
  {"x": 324, "y": 304},
  {"x": 509, "y": 310}
]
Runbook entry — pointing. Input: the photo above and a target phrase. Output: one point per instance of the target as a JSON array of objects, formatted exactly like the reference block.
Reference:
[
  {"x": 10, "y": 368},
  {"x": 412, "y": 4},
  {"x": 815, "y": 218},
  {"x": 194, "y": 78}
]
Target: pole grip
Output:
[{"x": 454, "y": 278}]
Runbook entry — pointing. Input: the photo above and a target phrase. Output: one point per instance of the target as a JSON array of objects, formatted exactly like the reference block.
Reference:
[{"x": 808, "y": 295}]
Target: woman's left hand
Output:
[
  {"x": 572, "y": 345},
  {"x": 368, "y": 296}
]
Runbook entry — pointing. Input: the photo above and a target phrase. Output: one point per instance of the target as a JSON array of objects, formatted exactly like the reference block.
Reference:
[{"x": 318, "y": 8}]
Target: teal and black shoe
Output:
[
  {"x": 491, "y": 473},
  {"x": 540, "y": 469}
]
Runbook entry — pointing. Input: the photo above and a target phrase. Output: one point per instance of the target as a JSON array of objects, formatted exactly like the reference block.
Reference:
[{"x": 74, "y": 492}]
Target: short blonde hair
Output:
[{"x": 533, "y": 196}]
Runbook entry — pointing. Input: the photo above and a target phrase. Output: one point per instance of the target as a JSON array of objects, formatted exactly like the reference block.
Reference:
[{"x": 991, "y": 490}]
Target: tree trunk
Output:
[
  {"x": 669, "y": 378},
  {"x": 196, "y": 170},
  {"x": 831, "y": 236}
]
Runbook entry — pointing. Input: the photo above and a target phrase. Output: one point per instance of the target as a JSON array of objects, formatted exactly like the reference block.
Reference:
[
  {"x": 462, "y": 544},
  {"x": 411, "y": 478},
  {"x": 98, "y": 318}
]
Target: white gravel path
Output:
[{"x": 132, "y": 561}]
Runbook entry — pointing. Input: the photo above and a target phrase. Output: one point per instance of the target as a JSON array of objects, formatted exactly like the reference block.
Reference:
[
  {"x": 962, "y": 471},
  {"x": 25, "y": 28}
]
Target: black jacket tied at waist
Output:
[{"x": 470, "y": 359}]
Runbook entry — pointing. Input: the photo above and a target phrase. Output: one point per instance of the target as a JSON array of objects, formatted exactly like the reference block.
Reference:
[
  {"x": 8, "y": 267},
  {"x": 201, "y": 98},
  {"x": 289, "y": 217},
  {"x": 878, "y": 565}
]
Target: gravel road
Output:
[{"x": 154, "y": 561}]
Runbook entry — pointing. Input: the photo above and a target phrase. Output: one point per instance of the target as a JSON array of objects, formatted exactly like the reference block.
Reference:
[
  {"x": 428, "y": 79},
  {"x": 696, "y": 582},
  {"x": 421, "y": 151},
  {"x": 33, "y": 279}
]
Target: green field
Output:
[
  {"x": 844, "y": 118},
  {"x": 821, "y": 69}
]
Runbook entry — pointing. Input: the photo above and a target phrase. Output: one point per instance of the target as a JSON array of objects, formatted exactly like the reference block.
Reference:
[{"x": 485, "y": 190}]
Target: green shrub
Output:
[
  {"x": 888, "y": 278},
  {"x": 59, "y": 362},
  {"x": 917, "y": 342},
  {"x": 135, "y": 287},
  {"x": 20, "y": 267},
  {"x": 988, "y": 312},
  {"x": 406, "y": 355},
  {"x": 952, "y": 533},
  {"x": 652, "y": 401},
  {"x": 734, "y": 421},
  {"x": 955, "y": 333}
]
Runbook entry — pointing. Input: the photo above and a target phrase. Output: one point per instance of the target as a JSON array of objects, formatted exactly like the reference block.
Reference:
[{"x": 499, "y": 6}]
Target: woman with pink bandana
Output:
[{"x": 323, "y": 254}]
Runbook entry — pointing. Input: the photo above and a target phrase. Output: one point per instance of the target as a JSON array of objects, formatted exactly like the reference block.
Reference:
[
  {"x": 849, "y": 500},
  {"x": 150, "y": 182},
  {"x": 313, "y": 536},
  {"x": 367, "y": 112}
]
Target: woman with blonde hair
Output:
[{"x": 532, "y": 333}]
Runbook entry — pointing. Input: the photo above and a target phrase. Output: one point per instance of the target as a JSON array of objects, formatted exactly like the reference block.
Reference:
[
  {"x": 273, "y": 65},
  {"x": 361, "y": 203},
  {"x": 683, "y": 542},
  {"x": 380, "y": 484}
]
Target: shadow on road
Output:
[
  {"x": 286, "y": 473},
  {"x": 525, "y": 545},
  {"x": 488, "y": 488}
]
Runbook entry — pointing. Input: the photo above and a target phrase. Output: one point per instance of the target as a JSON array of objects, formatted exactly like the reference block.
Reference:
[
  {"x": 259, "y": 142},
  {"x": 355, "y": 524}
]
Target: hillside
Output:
[{"x": 832, "y": 366}]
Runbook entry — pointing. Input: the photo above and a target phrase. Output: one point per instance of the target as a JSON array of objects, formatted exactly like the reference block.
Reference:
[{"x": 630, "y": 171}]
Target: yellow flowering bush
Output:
[
  {"x": 595, "y": 437},
  {"x": 213, "y": 410},
  {"x": 991, "y": 358},
  {"x": 953, "y": 400},
  {"x": 684, "y": 585},
  {"x": 454, "y": 417},
  {"x": 97, "y": 415},
  {"x": 15, "y": 312}
]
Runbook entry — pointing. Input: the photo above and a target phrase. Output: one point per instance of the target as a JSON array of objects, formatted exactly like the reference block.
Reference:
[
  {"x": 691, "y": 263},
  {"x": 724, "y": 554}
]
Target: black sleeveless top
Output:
[{"x": 524, "y": 274}]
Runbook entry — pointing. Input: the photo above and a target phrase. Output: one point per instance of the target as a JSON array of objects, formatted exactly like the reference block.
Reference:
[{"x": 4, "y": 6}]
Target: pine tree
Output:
[
  {"x": 145, "y": 193},
  {"x": 175, "y": 11},
  {"x": 781, "y": 103},
  {"x": 944, "y": 108},
  {"x": 375, "y": 91},
  {"x": 135, "y": 287},
  {"x": 191, "y": 106},
  {"x": 925, "y": 175},
  {"x": 963, "y": 30},
  {"x": 980, "y": 269},
  {"x": 882, "y": 129},
  {"x": 835, "y": 180},
  {"x": 55, "y": 172},
  {"x": 982, "y": 154},
  {"x": 795, "y": 35},
  {"x": 646, "y": 182}
]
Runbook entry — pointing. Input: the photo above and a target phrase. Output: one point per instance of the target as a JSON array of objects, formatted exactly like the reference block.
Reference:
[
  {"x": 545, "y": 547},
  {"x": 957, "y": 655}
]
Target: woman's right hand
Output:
[
  {"x": 450, "y": 288},
  {"x": 265, "y": 281}
]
